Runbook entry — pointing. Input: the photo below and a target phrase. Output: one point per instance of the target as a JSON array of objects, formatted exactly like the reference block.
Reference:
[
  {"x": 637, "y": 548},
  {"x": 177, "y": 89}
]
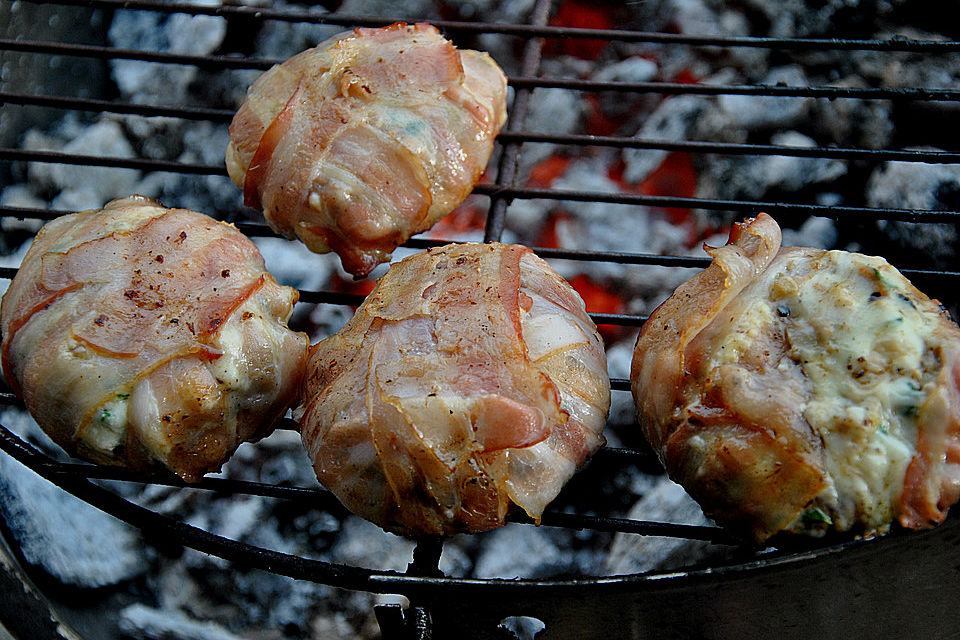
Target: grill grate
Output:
[{"x": 437, "y": 602}]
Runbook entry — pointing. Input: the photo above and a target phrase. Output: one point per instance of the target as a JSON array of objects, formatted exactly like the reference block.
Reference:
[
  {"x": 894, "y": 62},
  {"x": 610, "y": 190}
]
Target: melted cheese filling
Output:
[
  {"x": 236, "y": 375},
  {"x": 860, "y": 341},
  {"x": 867, "y": 362}
]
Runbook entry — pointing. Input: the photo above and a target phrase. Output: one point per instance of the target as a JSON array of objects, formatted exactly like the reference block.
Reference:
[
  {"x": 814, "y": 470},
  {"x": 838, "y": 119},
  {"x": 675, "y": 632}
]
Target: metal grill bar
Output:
[
  {"x": 519, "y": 82},
  {"x": 622, "y": 142},
  {"x": 839, "y": 212},
  {"x": 507, "y": 168},
  {"x": 897, "y": 43},
  {"x": 423, "y": 577},
  {"x": 344, "y": 576},
  {"x": 70, "y": 475},
  {"x": 679, "y": 88},
  {"x": 254, "y": 229}
]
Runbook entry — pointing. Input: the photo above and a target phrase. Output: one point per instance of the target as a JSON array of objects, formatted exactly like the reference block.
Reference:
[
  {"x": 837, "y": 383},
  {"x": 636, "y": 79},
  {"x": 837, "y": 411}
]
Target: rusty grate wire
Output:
[{"x": 422, "y": 581}]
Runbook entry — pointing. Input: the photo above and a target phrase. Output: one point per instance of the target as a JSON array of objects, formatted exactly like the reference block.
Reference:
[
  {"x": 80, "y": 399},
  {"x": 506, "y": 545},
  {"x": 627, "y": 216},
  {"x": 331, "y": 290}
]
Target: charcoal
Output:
[
  {"x": 666, "y": 501},
  {"x": 90, "y": 186},
  {"x": 146, "y": 623},
  {"x": 151, "y": 83},
  {"x": 517, "y": 550},
  {"x": 622, "y": 408},
  {"x": 551, "y": 111},
  {"x": 634, "y": 69},
  {"x": 672, "y": 121},
  {"x": 767, "y": 112},
  {"x": 917, "y": 186},
  {"x": 364, "y": 544},
  {"x": 280, "y": 40},
  {"x": 72, "y": 541},
  {"x": 186, "y": 590}
]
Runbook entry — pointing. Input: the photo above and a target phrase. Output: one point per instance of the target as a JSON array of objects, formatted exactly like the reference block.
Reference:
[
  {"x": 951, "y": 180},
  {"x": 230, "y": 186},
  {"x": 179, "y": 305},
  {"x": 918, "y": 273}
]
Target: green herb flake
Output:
[
  {"x": 910, "y": 411},
  {"x": 884, "y": 429},
  {"x": 881, "y": 279},
  {"x": 105, "y": 415},
  {"x": 123, "y": 396},
  {"x": 816, "y": 516}
]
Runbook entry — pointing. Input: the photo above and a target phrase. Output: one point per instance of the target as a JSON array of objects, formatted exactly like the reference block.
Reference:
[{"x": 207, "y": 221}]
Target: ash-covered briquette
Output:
[
  {"x": 197, "y": 588},
  {"x": 64, "y": 536}
]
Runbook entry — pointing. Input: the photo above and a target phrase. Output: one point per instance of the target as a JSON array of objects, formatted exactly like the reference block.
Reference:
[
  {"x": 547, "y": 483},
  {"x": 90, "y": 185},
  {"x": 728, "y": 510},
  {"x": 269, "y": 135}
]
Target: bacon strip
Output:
[
  {"x": 108, "y": 299},
  {"x": 367, "y": 139},
  {"x": 752, "y": 432},
  {"x": 425, "y": 414}
]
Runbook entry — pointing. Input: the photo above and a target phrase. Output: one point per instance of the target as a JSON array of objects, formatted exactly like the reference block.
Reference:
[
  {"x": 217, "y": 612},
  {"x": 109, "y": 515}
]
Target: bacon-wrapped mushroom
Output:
[
  {"x": 470, "y": 380},
  {"x": 139, "y": 335},
  {"x": 801, "y": 390},
  {"x": 367, "y": 139}
]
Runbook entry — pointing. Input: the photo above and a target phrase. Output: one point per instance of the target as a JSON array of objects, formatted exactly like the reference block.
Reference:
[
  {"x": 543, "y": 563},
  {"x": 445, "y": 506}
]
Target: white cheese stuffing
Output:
[{"x": 860, "y": 342}]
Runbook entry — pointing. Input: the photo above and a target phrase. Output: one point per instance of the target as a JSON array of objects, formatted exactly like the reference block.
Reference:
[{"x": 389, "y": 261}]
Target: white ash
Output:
[
  {"x": 87, "y": 186},
  {"x": 256, "y": 599},
  {"x": 20, "y": 195},
  {"x": 633, "y": 69},
  {"x": 665, "y": 502},
  {"x": 766, "y": 112},
  {"x": 858, "y": 123},
  {"x": 913, "y": 185},
  {"x": 278, "y": 458},
  {"x": 620, "y": 228},
  {"x": 798, "y": 18},
  {"x": 151, "y": 83},
  {"x": 72, "y": 541},
  {"x": 329, "y": 319},
  {"x": 334, "y": 625},
  {"x": 793, "y": 173},
  {"x": 672, "y": 122},
  {"x": 553, "y": 111},
  {"x": 279, "y": 39},
  {"x": 21, "y": 423},
  {"x": 145, "y": 623},
  {"x": 752, "y": 177},
  {"x": 364, "y": 544},
  {"x": 619, "y": 359},
  {"x": 617, "y": 106},
  {"x": 917, "y": 186},
  {"x": 908, "y": 69},
  {"x": 389, "y": 9},
  {"x": 677, "y": 119},
  {"x": 213, "y": 195},
  {"x": 815, "y": 231},
  {"x": 527, "y": 217},
  {"x": 157, "y": 138},
  {"x": 697, "y": 18},
  {"x": 17, "y": 195},
  {"x": 517, "y": 550},
  {"x": 746, "y": 177},
  {"x": 522, "y": 627}
]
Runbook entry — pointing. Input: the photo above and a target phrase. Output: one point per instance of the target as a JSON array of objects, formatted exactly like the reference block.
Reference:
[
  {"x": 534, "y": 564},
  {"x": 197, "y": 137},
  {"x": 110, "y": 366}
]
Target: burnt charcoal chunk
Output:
[{"x": 70, "y": 540}]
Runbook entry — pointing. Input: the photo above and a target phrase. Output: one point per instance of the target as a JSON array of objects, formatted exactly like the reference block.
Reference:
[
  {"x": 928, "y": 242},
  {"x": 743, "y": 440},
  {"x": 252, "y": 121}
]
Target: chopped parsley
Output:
[
  {"x": 816, "y": 516},
  {"x": 880, "y": 279}
]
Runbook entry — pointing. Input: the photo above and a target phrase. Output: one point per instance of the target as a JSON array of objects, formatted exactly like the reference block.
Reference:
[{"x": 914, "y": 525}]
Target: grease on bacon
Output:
[
  {"x": 139, "y": 335},
  {"x": 469, "y": 381},
  {"x": 367, "y": 139},
  {"x": 801, "y": 390}
]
